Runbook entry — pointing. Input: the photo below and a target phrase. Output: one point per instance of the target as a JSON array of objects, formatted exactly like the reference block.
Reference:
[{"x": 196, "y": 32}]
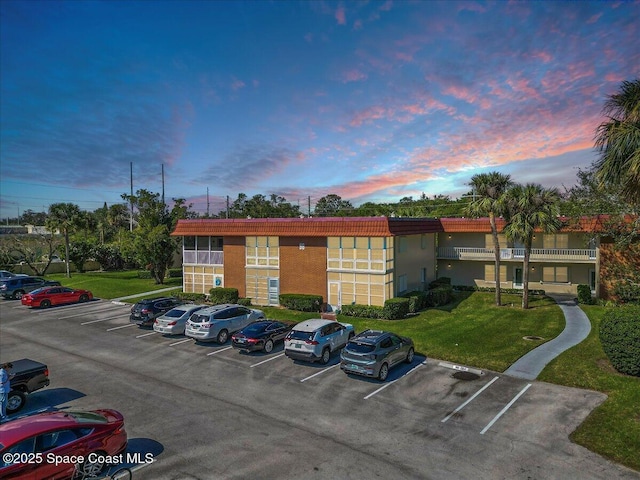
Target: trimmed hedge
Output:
[
  {"x": 627, "y": 292},
  {"x": 221, "y": 295},
  {"x": 363, "y": 311},
  {"x": 438, "y": 282},
  {"x": 146, "y": 274},
  {"x": 301, "y": 302},
  {"x": 418, "y": 300},
  {"x": 394, "y": 309},
  {"x": 191, "y": 297},
  {"x": 440, "y": 296},
  {"x": 244, "y": 301},
  {"x": 174, "y": 273},
  {"x": 510, "y": 291},
  {"x": 584, "y": 294},
  {"x": 620, "y": 338}
]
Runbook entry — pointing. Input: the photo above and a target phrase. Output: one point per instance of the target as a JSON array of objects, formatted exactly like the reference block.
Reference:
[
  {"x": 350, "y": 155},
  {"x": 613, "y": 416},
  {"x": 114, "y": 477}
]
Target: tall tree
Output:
[
  {"x": 332, "y": 205},
  {"x": 618, "y": 141},
  {"x": 532, "y": 208},
  {"x": 65, "y": 217},
  {"x": 489, "y": 191}
]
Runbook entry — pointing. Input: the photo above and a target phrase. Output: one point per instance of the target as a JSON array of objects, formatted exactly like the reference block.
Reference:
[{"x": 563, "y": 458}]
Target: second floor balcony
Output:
[{"x": 575, "y": 255}]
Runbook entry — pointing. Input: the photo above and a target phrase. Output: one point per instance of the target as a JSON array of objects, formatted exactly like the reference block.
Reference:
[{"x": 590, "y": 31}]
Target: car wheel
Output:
[
  {"x": 93, "y": 468},
  {"x": 384, "y": 372},
  {"x": 410, "y": 354},
  {"x": 326, "y": 355},
  {"x": 17, "y": 295},
  {"x": 15, "y": 401},
  {"x": 223, "y": 336},
  {"x": 268, "y": 346},
  {"x": 84, "y": 298},
  {"x": 45, "y": 304}
]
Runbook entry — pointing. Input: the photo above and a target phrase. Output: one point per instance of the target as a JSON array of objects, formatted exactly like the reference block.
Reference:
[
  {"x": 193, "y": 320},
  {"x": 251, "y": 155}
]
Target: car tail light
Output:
[
  {"x": 171, "y": 324},
  {"x": 145, "y": 311},
  {"x": 311, "y": 342},
  {"x": 252, "y": 340},
  {"x": 46, "y": 372}
]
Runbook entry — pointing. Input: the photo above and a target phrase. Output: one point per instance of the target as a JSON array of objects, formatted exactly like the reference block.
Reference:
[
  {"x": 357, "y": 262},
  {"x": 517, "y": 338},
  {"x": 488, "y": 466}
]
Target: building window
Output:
[
  {"x": 403, "y": 244},
  {"x": 402, "y": 283},
  {"x": 203, "y": 250},
  {"x": 423, "y": 242},
  {"x": 262, "y": 251},
  {"x": 490, "y": 273},
  {"x": 555, "y": 241},
  {"x": 423, "y": 275},
  {"x": 555, "y": 274},
  {"x": 356, "y": 253},
  {"x": 488, "y": 241}
]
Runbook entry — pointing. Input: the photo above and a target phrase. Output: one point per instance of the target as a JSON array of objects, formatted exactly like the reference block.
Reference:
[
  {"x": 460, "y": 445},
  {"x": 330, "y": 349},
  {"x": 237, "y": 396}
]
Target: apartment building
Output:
[
  {"x": 364, "y": 260},
  {"x": 558, "y": 262}
]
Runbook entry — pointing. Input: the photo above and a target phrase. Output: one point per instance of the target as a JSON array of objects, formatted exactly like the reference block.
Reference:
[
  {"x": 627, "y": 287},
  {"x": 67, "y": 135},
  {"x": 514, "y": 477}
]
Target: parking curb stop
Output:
[{"x": 461, "y": 368}]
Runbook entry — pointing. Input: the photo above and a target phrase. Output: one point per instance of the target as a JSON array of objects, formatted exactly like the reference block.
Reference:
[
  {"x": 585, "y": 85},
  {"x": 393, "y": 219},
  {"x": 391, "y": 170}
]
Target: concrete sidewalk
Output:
[
  {"x": 577, "y": 328},
  {"x": 162, "y": 290}
]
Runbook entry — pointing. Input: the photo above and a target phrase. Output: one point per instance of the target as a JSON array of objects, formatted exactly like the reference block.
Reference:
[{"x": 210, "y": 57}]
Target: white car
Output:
[
  {"x": 175, "y": 320},
  {"x": 316, "y": 340},
  {"x": 218, "y": 322}
]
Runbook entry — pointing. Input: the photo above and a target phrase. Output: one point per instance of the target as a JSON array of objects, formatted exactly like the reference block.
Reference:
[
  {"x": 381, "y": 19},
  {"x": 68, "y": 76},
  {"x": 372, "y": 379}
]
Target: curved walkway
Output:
[{"x": 577, "y": 328}]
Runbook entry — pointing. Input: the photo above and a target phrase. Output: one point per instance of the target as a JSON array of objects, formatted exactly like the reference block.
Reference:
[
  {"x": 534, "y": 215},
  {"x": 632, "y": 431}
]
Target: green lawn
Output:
[
  {"x": 613, "y": 429},
  {"x": 108, "y": 285},
  {"x": 473, "y": 331}
]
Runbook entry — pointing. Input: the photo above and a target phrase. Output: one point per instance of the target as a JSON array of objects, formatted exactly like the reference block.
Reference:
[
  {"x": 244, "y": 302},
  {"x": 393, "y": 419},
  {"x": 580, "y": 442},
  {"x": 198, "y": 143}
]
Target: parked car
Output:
[
  {"x": 216, "y": 323},
  {"x": 175, "y": 320},
  {"x": 373, "y": 353},
  {"x": 6, "y": 274},
  {"x": 64, "y": 435},
  {"x": 17, "y": 286},
  {"x": 316, "y": 340},
  {"x": 145, "y": 312},
  {"x": 27, "y": 376},
  {"x": 47, "y": 296},
  {"x": 262, "y": 335}
]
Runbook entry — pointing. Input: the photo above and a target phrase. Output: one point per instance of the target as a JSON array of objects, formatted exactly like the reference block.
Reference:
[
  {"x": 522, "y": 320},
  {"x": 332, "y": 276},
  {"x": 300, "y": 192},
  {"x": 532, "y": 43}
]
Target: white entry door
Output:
[{"x": 274, "y": 291}]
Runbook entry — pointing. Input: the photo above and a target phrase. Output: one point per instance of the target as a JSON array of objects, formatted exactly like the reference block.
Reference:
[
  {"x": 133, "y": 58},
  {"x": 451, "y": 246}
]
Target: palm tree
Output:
[
  {"x": 532, "y": 208},
  {"x": 64, "y": 217},
  {"x": 488, "y": 200},
  {"x": 618, "y": 141}
]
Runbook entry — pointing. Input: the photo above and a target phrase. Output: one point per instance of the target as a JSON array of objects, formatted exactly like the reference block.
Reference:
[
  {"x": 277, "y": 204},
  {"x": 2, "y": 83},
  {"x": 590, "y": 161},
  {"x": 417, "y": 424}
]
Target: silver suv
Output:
[
  {"x": 315, "y": 340},
  {"x": 373, "y": 352},
  {"x": 218, "y": 322}
]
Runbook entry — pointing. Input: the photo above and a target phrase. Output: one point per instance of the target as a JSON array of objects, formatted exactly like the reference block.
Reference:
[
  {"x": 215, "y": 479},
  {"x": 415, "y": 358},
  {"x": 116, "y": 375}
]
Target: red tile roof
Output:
[
  {"x": 308, "y": 227},
  {"x": 481, "y": 225}
]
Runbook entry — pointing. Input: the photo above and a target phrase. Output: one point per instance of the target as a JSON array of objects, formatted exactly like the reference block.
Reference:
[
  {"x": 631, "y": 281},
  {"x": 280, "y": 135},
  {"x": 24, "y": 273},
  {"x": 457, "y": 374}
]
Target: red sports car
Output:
[
  {"x": 31, "y": 446},
  {"x": 46, "y": 296}
]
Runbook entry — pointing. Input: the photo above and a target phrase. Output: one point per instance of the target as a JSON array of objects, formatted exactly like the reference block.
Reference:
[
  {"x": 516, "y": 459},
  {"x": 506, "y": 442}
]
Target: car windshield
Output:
[
  {"x": 356, "y": 347},
  {"x": 257, "y": 328},
  {"x": 298, "y": 335},
  {"x": 175, "y": 313}
]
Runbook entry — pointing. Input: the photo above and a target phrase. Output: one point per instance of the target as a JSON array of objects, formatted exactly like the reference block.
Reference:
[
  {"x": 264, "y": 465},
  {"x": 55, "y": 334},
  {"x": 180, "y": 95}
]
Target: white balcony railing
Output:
[
  {"x": 203, "y": 257},
  {"x": 537, "y": 254}
]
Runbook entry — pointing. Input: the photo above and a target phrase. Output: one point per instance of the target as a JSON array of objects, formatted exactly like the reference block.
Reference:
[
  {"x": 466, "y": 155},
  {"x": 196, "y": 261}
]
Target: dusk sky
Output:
[{"x": 369, "y": 100}]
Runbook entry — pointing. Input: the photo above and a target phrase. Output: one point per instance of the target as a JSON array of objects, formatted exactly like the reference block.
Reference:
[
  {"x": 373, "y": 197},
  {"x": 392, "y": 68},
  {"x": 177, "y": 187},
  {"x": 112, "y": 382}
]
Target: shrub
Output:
[
  {"x": 627, "y": 292},
  {"x": 620, "y": 338},
  {"x": 244, "y": 301},
  {"x": 418, "y": 300},
  {"x": 440, "y": 296},
  {"x": 363, "y": 311},
  {"x": 144, "y": 274},
  {"x": 191, "y": 297},
  {"x": 221, "y": 295},
  {"x": 584, "y": 294},
  {"x": 510, "y": 291},
  {"x": 395, "y": 308},
  {"x": 301, "y": 302},
  {"x": 174, "y": 273},
  {"x": 439, "y": 282}
]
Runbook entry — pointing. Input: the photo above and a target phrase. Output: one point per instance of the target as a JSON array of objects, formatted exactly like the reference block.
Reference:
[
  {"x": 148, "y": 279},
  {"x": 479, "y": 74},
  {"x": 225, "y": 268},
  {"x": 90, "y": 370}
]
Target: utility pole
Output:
[
  {"x": 131, "y": 197},
  {"x": 227, "y": 206},
  {"x": 207, "y": 202},
  {"x": 309, "y": 205},
  {"x": 163, "y": 185}
]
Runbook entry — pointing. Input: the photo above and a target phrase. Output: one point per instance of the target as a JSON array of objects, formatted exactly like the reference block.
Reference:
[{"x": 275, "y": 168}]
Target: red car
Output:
[
  {"x": 30, "y": 447},
  {"x": 46, "y": 296}
]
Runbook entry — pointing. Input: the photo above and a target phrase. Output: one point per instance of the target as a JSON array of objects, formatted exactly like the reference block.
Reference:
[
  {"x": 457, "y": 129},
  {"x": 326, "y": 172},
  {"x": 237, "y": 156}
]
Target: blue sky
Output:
[{"x": 369, "y": 100}]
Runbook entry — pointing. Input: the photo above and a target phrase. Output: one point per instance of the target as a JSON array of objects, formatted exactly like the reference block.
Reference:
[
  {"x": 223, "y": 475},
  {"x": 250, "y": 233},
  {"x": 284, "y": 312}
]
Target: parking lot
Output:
[{"x": 208, "y": 411}]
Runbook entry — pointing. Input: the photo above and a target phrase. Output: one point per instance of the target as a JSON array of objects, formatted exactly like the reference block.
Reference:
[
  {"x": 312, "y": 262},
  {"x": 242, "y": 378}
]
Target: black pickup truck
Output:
[{"x": 26, "y": 376}]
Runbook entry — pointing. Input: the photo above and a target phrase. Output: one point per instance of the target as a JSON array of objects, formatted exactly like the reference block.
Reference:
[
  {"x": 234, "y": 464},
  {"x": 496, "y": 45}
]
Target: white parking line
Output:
[
  {"x": 146, "y": 334},
  {"x": 88, "y": 312},
  {"x": 507, "y": 406},
  {"x": 394, "y": 381},
  {"x": 96, "y": 321},
  {"x": 320, "y": 372},
  {"x": 267, "y": 360},
  {"x": 181, "y": 341},
  {"x": 122, "y": 326},
  {"x": 469, "y": 400},
  {"x": 218, "y": 351}
]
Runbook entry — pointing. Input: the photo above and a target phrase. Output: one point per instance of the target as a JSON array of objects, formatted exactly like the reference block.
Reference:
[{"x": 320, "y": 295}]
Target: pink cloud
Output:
[
  {"x": 353, "y": 75},
  {"x": 340, "y": 15},
  {"x": 594, "y": 18},
  {"x": 237, "y": 85},
  {"x": 369, "y": 114}
]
